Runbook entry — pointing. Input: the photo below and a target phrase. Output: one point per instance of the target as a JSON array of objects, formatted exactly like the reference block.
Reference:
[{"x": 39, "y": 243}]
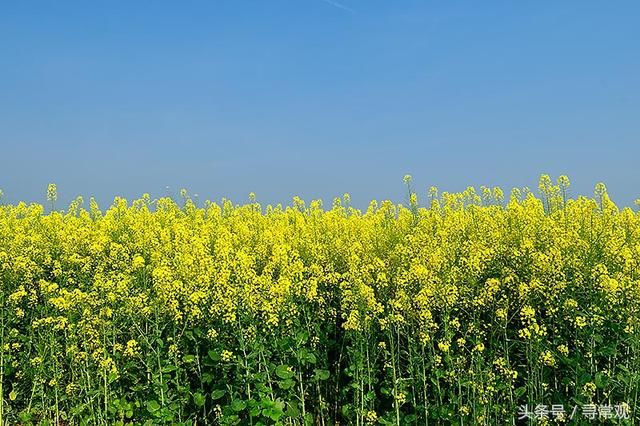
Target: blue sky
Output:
[{"x": 316, "y": 98}]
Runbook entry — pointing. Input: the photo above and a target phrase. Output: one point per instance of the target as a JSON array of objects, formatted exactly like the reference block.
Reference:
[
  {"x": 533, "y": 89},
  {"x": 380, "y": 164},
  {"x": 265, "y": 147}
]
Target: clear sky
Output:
[{"x": 316, "y": 97}]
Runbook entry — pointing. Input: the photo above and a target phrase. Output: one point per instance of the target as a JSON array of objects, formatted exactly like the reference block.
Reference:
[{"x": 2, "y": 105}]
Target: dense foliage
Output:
[{"x": 453, "y": 310}]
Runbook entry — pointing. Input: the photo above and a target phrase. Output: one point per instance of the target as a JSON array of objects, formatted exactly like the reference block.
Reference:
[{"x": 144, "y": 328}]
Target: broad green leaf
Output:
[
  {"x": 198, "y": 399},
  {"x": 286, "y": 384},
  {"x": 284, "y": 372},
  {"x": 217, "y": 394},
  {"x": 321, "y": 374},
  {"x": 238, "y": 405},
  {"x": 153, "y": 406}
]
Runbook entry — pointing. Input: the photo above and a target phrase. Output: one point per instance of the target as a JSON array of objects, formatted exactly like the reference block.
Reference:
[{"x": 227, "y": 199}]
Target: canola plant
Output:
[{"x": 461, "y": 308}]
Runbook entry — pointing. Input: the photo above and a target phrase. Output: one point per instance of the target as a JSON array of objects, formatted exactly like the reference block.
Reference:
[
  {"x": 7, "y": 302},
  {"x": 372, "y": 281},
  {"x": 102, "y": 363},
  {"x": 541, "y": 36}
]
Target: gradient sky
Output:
[{"x": 316, "y": 97}]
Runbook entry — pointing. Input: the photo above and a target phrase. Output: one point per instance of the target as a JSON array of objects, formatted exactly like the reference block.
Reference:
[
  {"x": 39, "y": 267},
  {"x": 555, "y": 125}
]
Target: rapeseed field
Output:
[{"x": 474, "y": 308}]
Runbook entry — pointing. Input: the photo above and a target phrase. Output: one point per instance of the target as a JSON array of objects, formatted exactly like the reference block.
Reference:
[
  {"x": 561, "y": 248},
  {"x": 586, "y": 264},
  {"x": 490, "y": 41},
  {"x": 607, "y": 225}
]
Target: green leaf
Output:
[
  {"x": 217, "y": 394},
  {"x": 275, "y": 414},
  {"x": 311, "y": 358},
  {"x": 292, "y": 410},
  {"x": 283, "y": 372},
  {"x": 272, "y": 409},
  {"x": 302, "y": 337},
  {"x": 255, "y": 411},
  {"x": 601, "y": 380},
  {"x": 112, "y": 377},
  {"x": 346, "y": 410},
  {"x": 238, "y": 405},
  {"x": 411, "y": 419},
  {"x": 370, "y": 396},
  {"x": 267, "y": 403},
  {"x": 520, "y": 391},
  {"x": 198, "y": 399},
  {"x": 279, "y": 405},
  {"x": 584, "y": 378},
  {"x": 153, "y": 406},
  {"x": 207, "y": 378},
  {"x": 189, "y": 359},
  {"x": 169, "y": 368},
  {"x": 321, "y": 374},
  {"x": 308, "y": 419},
  {"x": 213, "y": 355},
  {"x": 286, "y": 384}
]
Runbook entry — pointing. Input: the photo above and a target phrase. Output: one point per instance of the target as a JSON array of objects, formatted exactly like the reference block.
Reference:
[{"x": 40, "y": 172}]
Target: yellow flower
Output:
[
  {"x": 570, "y": 304},
  {"x": 479, "y": 347},
  {"x": 455, "y": 323},
  {"x": 501, "y": 314},
  {"x": 132, "y": 349},
  {"x": 226, "y": 355},
  {"x": 524, "y": 333},
  {"x": 581, "y": 321},
  {"x": 371, "y": 416},
  {"x": 563, "y": 349},
  {"x": 444, "y": 346},
  {"x": 71, "y": 388},
  {"x": 527, "y": 312},
  {"x": 589, "y": 388},
  {"x": 547, "y": 358},
  {"x": 52, "y": 192},
  {"x": 137, "y": 262},
  {"x": 173, "y": 350}
]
